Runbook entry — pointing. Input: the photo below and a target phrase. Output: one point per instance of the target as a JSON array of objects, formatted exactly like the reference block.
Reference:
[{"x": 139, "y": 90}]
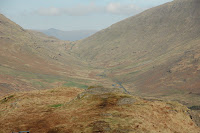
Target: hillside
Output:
[
  {"x": 31, "y": 60},
  {"x": 149, "y": 65},
  {"x": 67, "y": 110},
  {"x": 153, "y": 53},
  {"x": 68, "y": 35}
]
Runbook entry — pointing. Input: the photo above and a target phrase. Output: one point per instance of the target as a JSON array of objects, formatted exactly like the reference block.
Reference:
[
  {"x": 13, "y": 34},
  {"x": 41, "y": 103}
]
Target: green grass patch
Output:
[
  {"x": 51, "y": 79},
  {"x": 43, "y": 80},
  {"x": 73, "y": 84},
  {"x": 6, "y": 99},
  {"x": 38, "y": 84},
  {"x": 133, "y": 73},
  {"x": 56, "y": 105}
]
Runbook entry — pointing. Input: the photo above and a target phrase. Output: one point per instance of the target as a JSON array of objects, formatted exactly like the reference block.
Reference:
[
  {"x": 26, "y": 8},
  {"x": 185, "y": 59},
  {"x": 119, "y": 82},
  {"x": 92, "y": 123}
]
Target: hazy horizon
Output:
[{"x": 64, "y": 30}]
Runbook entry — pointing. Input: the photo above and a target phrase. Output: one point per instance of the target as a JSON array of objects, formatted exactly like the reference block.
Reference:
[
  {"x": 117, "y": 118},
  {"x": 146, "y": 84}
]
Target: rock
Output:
[{"x": 126, "y": 101}]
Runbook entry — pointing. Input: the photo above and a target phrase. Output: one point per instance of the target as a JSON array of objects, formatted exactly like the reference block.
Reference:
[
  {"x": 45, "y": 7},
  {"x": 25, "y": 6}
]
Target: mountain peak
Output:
[{"x": 53, "y": 29}]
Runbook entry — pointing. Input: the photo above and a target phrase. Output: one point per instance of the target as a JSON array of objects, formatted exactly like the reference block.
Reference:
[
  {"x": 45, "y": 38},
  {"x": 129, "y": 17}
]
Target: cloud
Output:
[
  {"x": 78, "y": 10},
  {"x": 126, "y": 9},
  {"x": 81, "y": 10},
  {"x": 52, "y": 11}
]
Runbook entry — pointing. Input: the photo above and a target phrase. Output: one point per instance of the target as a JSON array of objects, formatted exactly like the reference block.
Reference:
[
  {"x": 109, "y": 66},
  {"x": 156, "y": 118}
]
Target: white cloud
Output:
[
  {"x": 81, "y": 10},
  {"x": 52, "y": 11},
  {"x": 113, "y": 7},
  {"x": 126, "y": 9}
]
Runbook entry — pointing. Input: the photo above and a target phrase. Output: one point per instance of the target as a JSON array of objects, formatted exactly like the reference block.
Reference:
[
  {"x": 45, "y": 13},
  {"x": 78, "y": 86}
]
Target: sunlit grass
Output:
[{"x": 73, "y": 84}]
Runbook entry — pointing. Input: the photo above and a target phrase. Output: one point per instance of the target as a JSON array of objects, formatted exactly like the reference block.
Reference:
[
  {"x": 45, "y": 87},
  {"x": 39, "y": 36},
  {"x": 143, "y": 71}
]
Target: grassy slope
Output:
[
  {"x": 155, "y": 52},
  {"x": 96, "y": 110},
  {"x": 31, "y": 60}
]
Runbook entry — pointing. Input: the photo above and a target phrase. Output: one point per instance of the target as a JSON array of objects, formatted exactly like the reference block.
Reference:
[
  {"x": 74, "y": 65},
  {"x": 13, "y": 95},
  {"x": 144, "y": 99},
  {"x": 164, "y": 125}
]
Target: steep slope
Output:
[
  {"x": 31, "y": 60},
  {"x": 95, "y": 110},
  {"x": 155, "y": 52},
  {"x": 153, "y": 32},
  {"x": 69, "y": 35}
]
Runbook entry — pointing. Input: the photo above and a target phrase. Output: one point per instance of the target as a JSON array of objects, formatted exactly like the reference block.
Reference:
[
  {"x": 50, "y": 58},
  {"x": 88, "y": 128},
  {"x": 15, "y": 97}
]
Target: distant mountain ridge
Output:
[{"x": 73, "y": 35}]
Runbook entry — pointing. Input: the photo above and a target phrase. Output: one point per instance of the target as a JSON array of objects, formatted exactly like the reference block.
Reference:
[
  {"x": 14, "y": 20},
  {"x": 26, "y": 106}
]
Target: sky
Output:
[{"x": 72, "y": 14}]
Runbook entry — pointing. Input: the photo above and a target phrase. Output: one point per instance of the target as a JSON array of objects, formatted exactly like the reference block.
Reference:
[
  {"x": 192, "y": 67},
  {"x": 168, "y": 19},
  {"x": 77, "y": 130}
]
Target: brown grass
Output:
[{"x": 90, "y": 113}]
